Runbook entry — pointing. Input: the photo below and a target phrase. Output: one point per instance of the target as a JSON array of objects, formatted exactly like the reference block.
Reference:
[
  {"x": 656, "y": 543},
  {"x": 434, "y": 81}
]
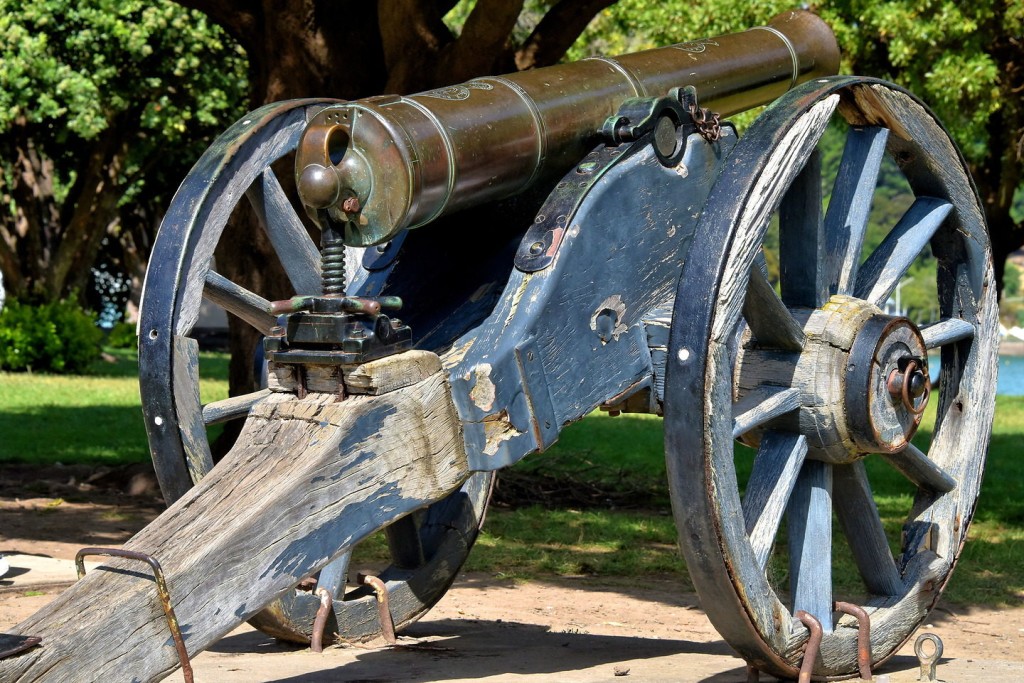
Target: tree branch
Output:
[
  {"x": 557, "y": 31},
  {"x": 412, "y": 33},
  {"x": 485, "y": 37}
]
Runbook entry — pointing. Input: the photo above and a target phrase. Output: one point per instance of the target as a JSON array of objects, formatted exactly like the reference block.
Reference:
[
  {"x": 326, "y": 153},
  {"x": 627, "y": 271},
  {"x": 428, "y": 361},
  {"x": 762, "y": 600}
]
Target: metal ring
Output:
[{"x": 907, "y": 400}]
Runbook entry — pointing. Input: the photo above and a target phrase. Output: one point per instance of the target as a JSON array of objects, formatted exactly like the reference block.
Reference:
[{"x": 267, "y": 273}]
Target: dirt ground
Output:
[{"x": 484, "y": 629}]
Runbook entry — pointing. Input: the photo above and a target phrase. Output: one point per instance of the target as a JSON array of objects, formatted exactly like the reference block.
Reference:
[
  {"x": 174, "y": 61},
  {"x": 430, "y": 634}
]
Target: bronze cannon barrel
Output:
[{"x": 382, "y": 164}]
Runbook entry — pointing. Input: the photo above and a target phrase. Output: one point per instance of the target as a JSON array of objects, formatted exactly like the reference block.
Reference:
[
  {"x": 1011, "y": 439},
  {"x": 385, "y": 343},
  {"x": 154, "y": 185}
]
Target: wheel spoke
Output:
[
  {"x": 800, "y": 238},
  {"x": 915, "y": 465},
  {"x": 191, "y": 428},
  {"x": 332, "y": 577},
  {"x": 847, "y": 217},
  {"x": 230, "y": 408},
  {"x": 298, "y": 253},
  {"x": 946, "y": 332},
  {"x": 889, "y": 263},
  {"x": 776, "y": 467},
  {"x": 809, "y": 522},
  {"x": 762, "y": 405},
  {"x": 768, "y": 318},
  {"x": 404, "y": 543},
  {"x": 858, "y": 516},
  {"x": 239, "y": 301}
]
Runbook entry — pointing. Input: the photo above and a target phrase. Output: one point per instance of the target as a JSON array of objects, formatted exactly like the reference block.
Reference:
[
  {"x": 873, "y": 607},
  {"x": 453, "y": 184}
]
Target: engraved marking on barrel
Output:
[
  {"x": 696, "y": 46},
  {"x": 457, "y": 92}
]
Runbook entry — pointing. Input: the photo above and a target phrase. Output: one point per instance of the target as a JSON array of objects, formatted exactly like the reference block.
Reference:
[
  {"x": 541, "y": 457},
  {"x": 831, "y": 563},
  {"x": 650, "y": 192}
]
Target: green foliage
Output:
[
  {"x": 51, "y": 337},
  {"x": 104, "y": 105},
  {"x": 1012, "y": 281},
  {"x": 79, "y": 64},
  {"x": 122, "y": 336},
  {"x": 95, "y": 417}
]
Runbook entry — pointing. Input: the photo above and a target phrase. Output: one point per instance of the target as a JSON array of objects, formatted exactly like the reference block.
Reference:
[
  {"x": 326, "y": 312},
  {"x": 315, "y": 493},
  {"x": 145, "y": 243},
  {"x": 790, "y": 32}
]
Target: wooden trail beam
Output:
[{"x": 306, "y": 479}]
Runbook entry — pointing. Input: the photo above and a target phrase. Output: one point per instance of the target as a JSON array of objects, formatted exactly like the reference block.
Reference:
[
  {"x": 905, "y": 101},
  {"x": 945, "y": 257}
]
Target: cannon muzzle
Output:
[{"x": 382, "y": 164}]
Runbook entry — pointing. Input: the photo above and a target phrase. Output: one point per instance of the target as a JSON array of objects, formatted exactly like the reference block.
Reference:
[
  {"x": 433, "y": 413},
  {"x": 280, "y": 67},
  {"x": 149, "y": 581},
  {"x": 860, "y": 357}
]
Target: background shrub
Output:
[
  {"x": 122, "y": 336},
  {"x": 52, "y": 337}
]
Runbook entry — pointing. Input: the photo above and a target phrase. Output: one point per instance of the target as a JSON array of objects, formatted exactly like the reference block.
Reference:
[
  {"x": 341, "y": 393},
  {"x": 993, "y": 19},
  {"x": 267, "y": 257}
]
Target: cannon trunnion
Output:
[{"x": 596, "y": 237}]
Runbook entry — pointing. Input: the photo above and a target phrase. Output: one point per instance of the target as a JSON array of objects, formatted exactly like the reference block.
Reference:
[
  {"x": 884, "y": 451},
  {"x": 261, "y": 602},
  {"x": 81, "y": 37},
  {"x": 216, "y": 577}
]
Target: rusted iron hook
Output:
[
  {"x": 316, "y": 639},
  {"x": 387, "y": 624},
  {"x": 161, "y": 590},
  {"x": 813, "y": 644},
  {"x": 863, "y": 636}
]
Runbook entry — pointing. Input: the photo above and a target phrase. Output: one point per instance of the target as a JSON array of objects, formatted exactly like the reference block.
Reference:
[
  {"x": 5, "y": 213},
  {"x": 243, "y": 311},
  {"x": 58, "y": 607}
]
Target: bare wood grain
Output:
[
  {"x": 313, "y": 477},
  {"x": 887, "y": 265},
  {"x": 769, "y": 319},
  {"x": 233, "y": 407},
  {"x": 847, "y": 217},
  {"x": 185, "y": 382},
  {"x": 299, "y": 255},
  {"x": 945, "y": 332},
  {"x": 239, "y": 301},
  {"x": 858, "y": 515}
]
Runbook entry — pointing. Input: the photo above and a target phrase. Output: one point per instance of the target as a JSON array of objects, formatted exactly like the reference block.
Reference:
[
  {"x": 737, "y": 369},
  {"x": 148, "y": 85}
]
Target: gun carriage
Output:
[{"x": 555, "y": 241}]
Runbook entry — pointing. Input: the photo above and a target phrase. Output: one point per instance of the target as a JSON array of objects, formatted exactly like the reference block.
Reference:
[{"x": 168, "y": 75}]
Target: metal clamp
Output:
[
  {"x": 863, "y": 636},
  {"x": 813, "y": 645},
  {"x": 161, "y": 590},
  {"x": 11, "y": 645},
  {"x": 928, "y": 661}
]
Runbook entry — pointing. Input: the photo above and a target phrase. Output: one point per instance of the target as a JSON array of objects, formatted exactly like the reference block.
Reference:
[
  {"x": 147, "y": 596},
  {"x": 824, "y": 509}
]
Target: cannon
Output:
[{"x": 583, "y": 236}]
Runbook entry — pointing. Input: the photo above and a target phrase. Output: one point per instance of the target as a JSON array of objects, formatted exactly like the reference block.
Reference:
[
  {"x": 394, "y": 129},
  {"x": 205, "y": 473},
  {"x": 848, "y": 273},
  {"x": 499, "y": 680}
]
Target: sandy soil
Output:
[{"x": 485, "y": 629}]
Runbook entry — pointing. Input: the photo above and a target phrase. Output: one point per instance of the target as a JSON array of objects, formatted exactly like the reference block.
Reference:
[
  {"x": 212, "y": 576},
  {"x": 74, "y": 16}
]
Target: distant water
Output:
[{"x": 1011, "y": 374}]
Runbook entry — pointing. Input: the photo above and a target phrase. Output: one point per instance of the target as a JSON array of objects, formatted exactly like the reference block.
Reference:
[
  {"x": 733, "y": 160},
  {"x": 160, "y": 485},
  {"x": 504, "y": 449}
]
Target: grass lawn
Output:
[
  {"x": 636, "y": 542},
  {"x": 94, "y": 418},
  {"x": 97, "y": 419}
]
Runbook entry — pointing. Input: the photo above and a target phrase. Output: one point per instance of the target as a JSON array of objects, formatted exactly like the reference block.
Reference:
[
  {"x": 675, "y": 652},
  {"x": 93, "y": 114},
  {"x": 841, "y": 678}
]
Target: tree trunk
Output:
[{"x": 348, "y": 50}]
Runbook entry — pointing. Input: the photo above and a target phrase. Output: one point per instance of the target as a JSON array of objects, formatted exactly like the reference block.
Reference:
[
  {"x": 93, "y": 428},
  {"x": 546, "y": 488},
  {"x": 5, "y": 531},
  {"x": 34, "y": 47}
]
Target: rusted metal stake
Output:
[
  {"x": 387, "y": 625},
  {"x": 316, "y": 641},
  {"x": 161, "y": 590},
  {"x": 813, "y": 644},
  {"x": 928, "y": 661},
  {"x": 863, "y": 636}
]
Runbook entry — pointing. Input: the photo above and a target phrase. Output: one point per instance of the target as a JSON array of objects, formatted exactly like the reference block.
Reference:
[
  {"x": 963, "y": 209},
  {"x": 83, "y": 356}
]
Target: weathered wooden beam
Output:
[{"x": 307, "y": 479}]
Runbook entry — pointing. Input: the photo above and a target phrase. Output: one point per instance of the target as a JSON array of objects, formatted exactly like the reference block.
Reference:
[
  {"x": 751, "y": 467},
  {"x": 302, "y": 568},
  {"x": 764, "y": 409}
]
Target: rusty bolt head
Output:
[{"x": 351, "y": 205}]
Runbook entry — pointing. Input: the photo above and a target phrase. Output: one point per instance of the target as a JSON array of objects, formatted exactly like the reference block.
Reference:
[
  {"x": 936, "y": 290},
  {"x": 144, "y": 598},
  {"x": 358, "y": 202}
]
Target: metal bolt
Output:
[{"x": 350, "y": 205}]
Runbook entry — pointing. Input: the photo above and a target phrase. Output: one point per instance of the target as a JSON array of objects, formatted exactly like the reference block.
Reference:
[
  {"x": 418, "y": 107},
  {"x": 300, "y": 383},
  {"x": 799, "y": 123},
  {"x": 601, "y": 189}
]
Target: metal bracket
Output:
[
  {"x": 542, "y": 240},
  {"x": 11, "y": 644},
  {"x": 535, "y": 384},
  {"x": 161, "y": 591}
]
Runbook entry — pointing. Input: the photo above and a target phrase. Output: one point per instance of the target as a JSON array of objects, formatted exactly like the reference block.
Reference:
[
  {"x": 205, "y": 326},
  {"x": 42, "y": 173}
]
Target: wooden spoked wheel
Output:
[
  {"x": 427, "y": 548},
  {"x": 823, "y": 387}
]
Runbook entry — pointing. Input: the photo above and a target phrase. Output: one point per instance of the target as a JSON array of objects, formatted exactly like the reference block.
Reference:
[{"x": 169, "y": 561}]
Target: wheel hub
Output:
[{"x": 863, "y": 379}]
